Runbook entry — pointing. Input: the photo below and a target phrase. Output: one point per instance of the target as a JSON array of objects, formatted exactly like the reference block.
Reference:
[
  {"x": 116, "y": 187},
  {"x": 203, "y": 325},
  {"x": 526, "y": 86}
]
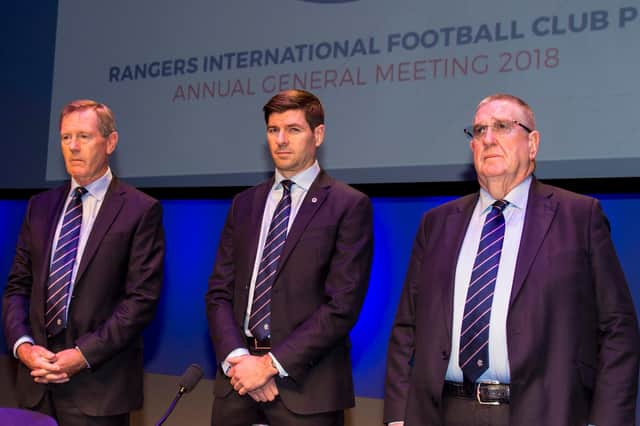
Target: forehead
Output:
[
  {"x": 500, "y": 109},
  {"x": 86, "y": 119},
  {"x": 288, "y": 118}
]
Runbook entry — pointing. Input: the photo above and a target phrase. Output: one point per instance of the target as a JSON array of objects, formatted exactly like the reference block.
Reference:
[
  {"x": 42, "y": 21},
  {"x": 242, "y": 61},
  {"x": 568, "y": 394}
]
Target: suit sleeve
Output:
[
  {"x": 345, "y": 286},
  {"x": 141, "y": 292},
  {"x": 225, "y": 333},
  {"x": 614, "y": 398},
  {"x": 15, "y": 305},
  {"x": 402, "y": 341}
]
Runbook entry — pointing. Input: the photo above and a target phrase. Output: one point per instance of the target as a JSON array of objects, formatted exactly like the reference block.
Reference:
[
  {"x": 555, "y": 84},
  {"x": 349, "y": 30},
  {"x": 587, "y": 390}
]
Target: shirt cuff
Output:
[
  {"x": 83, "y": 357},
  {"x": 234, "y": 353},
  {"x": 23, "y": 339},
  {"x": 281, "y": 371}
]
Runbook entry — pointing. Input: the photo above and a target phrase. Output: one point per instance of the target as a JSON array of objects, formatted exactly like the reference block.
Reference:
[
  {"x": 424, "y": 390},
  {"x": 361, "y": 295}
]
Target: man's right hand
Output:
[
  {"x": 267, "y": 393},
  {"x": 42, "y": 364}
]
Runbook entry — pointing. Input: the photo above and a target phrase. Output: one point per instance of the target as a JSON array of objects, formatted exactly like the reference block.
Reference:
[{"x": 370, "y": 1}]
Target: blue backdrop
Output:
[{"x": 179, "y": 334}]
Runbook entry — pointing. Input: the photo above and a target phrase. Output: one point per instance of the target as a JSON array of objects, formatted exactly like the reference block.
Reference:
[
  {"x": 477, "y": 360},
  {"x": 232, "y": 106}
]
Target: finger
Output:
[
  {"x": 42, "y": 364},
  {"x": 45, "y": 369},
  {"x": 52, "y": 378},
  {"x": 56, "y": 377},
  {"x": 268, "y": 395},
  {"x": 60, "y": 381},
  {"x": 39, "y": 372},
  {"x": 271, "y": 391},
  {"x": 263, "y": 395},
  {"x": 44, "y": 380}
]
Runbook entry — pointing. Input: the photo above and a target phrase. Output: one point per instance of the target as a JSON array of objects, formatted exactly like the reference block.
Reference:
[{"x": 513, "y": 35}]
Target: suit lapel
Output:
[
  {"x": 541, "y": 209},
  {"x": 251, "y": 234},
  {"x": 111, "y": 206},
  {"x": 57, "y": 204},
  {"x": 312, "y": 201},
  {"x": 455, "y": 230}
]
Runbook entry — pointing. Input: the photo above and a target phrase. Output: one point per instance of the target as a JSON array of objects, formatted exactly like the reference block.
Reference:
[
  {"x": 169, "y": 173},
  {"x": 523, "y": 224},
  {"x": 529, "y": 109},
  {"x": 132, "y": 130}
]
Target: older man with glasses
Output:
[{"x": 515, "y": 310}]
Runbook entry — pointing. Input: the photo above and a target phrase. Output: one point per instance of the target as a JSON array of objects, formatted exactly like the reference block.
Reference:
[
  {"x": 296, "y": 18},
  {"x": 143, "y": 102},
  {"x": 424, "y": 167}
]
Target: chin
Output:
[{"x": 282, "y": 166}]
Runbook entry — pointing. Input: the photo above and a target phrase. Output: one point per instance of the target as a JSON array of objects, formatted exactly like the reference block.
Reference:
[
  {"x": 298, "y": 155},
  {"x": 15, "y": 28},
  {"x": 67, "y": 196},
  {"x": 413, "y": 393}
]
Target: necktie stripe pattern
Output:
[
  {"x": 259, "y": 321},
  {"x": 61, "y": 270},
  {"x": 474, "y": 336}
]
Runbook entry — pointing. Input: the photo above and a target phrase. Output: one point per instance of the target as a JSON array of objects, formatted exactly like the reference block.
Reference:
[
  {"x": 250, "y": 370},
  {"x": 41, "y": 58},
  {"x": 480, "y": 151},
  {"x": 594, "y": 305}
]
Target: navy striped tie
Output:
[
  {"x": 259, "y": 321},
  {"x": 474, "y": 337},
  {"x": 62, "y": 265}
]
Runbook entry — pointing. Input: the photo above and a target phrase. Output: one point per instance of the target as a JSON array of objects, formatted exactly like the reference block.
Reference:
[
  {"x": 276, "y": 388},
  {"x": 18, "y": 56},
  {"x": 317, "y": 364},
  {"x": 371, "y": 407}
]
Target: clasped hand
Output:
[
  {"x": 50, "y": 367},
  {"x": 253, "y": 375}
]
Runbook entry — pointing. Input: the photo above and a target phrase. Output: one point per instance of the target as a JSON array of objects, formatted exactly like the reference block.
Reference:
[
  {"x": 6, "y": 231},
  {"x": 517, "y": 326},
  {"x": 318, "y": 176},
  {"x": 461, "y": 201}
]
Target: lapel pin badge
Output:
[{"x": 314, "y": 200}]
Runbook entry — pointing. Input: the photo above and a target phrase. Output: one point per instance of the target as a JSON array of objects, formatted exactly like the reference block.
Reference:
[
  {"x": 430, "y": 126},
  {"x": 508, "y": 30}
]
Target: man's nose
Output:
[
  {"x": 74, "y": 143},
  {"x": 489, "y": 136},
  {"x": 282, "y": 138}
]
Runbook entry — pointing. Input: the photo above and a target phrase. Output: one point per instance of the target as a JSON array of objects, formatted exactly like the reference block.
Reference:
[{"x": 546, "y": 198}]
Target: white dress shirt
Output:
[
  {"x": 91, "y": 203},
  {"x": 514, "y": 215},
  {"x": 301, "y": 184}
]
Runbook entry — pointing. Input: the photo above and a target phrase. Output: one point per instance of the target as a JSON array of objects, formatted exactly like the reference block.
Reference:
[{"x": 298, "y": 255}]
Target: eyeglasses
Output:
[{"x": 500, "y": 127}]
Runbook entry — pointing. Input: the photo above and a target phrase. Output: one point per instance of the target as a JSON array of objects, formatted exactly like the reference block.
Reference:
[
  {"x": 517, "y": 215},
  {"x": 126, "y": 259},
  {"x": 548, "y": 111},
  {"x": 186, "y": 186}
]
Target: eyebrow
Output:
[
  {"x": 499, "y": 119},
  {"x": 286, "y": 125}
]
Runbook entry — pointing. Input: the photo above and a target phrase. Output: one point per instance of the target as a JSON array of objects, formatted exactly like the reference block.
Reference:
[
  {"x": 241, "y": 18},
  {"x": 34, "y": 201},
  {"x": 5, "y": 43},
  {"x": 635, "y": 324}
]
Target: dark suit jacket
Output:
[
  {"x": 320, "y": 286},
  {"x": 116, "y": 289},
  {"x": 572, "y": 334}
]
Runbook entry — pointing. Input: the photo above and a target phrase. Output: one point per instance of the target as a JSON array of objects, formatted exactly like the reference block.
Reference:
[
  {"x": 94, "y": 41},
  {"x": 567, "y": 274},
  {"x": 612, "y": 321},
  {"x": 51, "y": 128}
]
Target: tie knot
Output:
[
  {"x": 500, "y": 205},
  {"x": 286, "y": 185},
  {"x": 79, "y": 192}
]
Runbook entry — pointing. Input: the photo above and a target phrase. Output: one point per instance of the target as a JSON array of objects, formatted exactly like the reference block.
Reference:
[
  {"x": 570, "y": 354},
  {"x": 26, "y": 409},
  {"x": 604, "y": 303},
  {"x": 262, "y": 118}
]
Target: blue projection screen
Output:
[{"x": 399, "y": 81}]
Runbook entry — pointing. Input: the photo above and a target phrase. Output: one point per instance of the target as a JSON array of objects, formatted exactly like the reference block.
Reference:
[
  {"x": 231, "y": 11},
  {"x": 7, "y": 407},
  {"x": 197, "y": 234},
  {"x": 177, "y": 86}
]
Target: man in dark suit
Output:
[
  {"x": 289, "y": 280},
  {"x": 515, "y": 310},
  {"x": 84, "y": 283}
]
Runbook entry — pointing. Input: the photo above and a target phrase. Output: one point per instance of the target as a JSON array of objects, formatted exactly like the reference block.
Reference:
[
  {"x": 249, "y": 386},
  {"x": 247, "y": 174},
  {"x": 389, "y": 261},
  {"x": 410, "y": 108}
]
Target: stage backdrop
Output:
[
  {"x": 179, "y": 334},
  {"x": 399, "y": 80}
]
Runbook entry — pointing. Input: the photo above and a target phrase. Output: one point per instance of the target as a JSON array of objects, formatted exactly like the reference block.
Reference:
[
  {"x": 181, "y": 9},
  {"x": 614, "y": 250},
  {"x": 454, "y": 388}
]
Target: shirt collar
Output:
[
  {"x": 517, "y": 197},
  {"x": 98, "y": 188},
  {"x": 304, "y": 179}
]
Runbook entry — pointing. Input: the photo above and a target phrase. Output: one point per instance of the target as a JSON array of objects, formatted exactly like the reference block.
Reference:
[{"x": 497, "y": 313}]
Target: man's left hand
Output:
[
  {"x": 250, "y": 372},
  {"x": 266, "y": 393},
  {"x": 71, "y": 361}
]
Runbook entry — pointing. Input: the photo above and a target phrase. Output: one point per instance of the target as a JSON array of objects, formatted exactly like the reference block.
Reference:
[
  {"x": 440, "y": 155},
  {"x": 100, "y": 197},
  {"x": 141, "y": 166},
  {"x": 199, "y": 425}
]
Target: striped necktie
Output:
[
  {"x": 62, "y": 265},
  {"x": 259, "y": 321},
  {"x": 474, "y": 337}
]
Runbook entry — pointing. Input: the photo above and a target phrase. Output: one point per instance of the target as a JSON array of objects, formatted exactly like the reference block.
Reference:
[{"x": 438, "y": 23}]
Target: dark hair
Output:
[
  {"x": 296, "y": 99},
  {"x": 106, "y": 121}
]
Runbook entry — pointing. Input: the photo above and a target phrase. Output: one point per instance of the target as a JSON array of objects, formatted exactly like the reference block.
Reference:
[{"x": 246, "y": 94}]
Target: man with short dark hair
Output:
[
  {"x": 84, "y": 283},
  {"x": 289, "y": 280},
  {"x": 515, "y": 310}
]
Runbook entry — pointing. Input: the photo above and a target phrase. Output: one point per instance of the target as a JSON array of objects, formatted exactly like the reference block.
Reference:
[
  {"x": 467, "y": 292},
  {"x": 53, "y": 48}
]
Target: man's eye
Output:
[
  {"x": 501, "y": 125},
  {"x": 479, "y": 130}
]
